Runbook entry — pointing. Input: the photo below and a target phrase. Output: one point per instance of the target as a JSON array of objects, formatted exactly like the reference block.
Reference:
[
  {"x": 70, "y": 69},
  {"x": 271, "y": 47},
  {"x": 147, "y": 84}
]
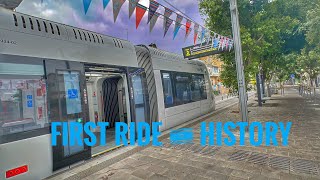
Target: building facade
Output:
[{"x": 215, "y": 66}]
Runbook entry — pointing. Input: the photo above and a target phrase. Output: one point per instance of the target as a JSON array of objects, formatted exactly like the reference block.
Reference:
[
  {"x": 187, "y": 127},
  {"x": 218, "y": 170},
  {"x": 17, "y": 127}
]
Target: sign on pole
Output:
[
  {"x": 292, "y": 76},
  {"x": 201, "y": 50}
]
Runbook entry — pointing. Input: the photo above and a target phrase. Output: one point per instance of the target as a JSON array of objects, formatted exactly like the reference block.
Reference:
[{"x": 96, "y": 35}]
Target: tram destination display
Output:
[{"x": 200, "y": 50}]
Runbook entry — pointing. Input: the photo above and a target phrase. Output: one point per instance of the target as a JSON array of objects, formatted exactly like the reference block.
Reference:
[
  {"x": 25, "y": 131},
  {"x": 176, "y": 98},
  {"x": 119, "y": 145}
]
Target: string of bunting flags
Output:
[{"x": 204, "y": 35}]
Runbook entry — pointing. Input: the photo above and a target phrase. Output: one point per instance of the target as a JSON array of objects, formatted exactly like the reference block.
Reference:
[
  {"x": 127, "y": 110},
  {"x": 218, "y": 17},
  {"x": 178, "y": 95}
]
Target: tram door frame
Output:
[{"x": 57, "y": 99}]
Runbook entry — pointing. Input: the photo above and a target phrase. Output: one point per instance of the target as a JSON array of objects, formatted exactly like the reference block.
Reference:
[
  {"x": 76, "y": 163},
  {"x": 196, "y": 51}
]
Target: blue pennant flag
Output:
[
  {"x": 178, "y": 25},
  {"x": 105, "y": 3},
  {"x": 216, "y": 42},
  {"x": 212, "y": 40},
  {"x": 202, "y": 34},
  {"x": 86, "y": 4}
]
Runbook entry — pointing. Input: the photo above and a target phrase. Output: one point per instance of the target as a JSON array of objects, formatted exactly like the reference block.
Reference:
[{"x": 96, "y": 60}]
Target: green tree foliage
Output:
[
  {"x": 310, "y": 61},
  {"x": 312, "y": 25},
  {"x": 272, "y": 34}
]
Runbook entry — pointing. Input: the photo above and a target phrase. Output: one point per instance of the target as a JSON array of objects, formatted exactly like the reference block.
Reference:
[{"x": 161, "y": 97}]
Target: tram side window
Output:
[
  {"x": 23, "y": 101},
  {"x": 183, "y": 88},
  {"x": 198, "y": 87},
  {"x": 167, "y": 89}
]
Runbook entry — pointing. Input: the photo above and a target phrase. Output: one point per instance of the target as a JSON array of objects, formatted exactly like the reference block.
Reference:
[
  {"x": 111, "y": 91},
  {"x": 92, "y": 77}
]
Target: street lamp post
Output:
[{"x": 239, "y": 61}]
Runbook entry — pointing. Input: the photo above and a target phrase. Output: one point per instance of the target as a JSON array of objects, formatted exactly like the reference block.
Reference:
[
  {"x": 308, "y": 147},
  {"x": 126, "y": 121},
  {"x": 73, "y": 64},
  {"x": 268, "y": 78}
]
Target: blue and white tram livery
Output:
[{"x": 54, "y": 72}]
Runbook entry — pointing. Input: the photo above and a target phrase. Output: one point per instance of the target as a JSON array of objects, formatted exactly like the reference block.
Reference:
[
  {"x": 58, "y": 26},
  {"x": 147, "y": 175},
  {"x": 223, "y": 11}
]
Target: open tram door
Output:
[
  {"x": 115, "y": 94},
  {"x": 68, "y": 103}
]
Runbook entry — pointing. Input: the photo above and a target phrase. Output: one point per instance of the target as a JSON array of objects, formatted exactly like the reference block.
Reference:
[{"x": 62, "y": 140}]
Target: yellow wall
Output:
[{"x": 214, "y": 61}]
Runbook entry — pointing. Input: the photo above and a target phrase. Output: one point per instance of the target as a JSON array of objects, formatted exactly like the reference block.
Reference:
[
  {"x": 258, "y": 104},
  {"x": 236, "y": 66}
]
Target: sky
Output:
[{"x": 97, "y": 19}]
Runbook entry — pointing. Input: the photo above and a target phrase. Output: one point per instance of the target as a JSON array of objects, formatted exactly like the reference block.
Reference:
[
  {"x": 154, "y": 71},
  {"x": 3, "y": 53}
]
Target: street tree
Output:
[{"x": 272, "y": 34}]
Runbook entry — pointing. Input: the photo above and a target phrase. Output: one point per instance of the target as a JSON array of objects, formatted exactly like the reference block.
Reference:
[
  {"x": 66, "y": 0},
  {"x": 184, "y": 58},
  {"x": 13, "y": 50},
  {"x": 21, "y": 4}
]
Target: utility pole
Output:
[{"x": 239, "y": 62}]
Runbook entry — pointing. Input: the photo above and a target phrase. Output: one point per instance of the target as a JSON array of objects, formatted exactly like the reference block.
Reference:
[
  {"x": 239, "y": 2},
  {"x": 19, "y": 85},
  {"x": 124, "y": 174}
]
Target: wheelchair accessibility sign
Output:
[
  {"x": 29, "y": 101},
  {"x": 72, "y": 93}
]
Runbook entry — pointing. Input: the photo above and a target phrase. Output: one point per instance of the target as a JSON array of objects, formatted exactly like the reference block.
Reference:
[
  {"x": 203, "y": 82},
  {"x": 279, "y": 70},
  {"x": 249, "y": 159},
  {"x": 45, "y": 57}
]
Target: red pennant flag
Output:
[
  {"x": 188, "y": 25},
  {"x": 188, "y": 29},
  {"x": 140, "y": 11}
]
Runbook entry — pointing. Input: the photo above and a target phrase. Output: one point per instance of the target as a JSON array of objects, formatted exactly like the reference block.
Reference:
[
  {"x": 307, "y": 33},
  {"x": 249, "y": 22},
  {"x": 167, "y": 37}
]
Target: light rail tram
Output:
[{"x": 54, "y": 72}]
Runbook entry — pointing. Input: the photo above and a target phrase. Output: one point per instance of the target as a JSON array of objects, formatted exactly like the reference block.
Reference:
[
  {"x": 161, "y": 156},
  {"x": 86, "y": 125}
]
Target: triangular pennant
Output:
[
  {"x": 132, "y": 6},
  {"x": 227, "y": 43},
  {"x": 152, "y": 9},
  {"x": 230, "y": 45},
  {"x": 221, "y": 42},
  {"x": 188, "y": 30},
  {"x": 203, "y": 32},
  {"x": 168, "y": 24},
  {"x": 154, "y": 20},
  {"x": 216, "y": 42},
  {"x": 187, "y": 34},
  {"x": 166, "y": 20},
  {"x": 86, "y": 4},
  {"x": 105, "y": 3},
  {"x": 213, "y": 39},
  {"x": 177, "y": 25},
  {"x": 208, "y": 37},
  {"x": 117, "y": 4},
  {"x": 167, "y": 14},
  {"x": 195, "y": 37},
  {"x": 188, "y": 25},
  {"x": 140, "y": 11}
]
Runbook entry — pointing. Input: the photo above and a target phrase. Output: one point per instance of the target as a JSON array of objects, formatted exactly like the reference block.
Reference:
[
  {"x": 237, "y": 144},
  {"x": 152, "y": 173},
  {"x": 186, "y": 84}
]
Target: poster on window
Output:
[
  {"x": 72, "y": 90},
  {"x": 40, "y": 113},
  {"x": 5, "y": 84},
  {"x": 18, "y": 84}
]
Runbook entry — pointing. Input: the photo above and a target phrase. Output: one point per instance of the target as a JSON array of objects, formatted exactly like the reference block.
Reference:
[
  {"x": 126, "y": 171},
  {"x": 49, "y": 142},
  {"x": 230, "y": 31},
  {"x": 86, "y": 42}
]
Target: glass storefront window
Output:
[{"x": 23, "y": 101}]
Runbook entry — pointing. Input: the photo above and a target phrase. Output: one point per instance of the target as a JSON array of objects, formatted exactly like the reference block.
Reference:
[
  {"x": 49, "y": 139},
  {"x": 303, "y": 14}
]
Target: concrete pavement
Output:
[{"x": 300, "y": 160}]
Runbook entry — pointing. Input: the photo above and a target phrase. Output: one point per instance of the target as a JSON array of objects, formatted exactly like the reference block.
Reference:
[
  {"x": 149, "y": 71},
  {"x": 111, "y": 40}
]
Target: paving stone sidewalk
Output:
[{"x": 299, "y": 160}]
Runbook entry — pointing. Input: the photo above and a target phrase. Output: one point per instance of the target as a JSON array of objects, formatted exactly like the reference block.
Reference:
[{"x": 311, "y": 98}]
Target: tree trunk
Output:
[{"x": 269, "y": 90}]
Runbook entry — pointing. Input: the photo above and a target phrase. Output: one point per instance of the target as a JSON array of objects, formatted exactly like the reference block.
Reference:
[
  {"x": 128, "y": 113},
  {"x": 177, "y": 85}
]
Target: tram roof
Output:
[
  {"x": 26, "y": 35},
  {"x": 164, "y": 60}
]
